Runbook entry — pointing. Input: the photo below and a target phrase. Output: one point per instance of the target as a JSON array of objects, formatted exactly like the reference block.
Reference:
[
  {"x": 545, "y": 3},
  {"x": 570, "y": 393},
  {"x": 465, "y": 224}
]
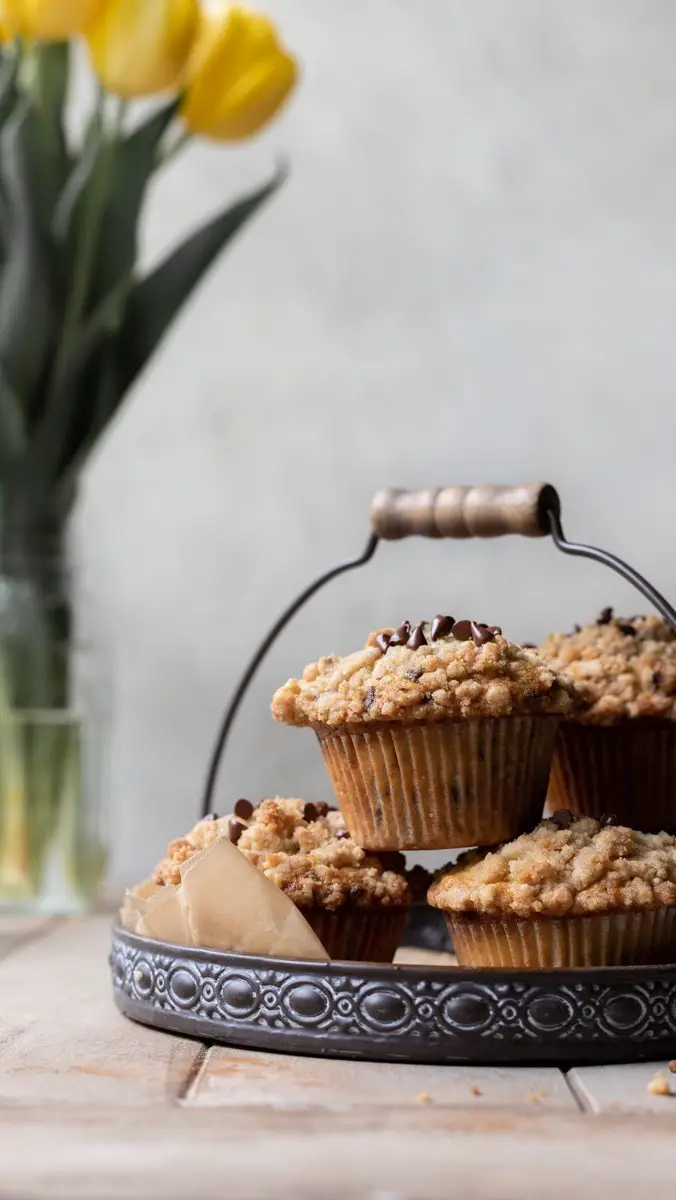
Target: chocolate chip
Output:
[
  {"x": 481, "y": 634},
  {"x": 627, "y": 629},
  {"x": 210, "y": 817},
  {"x": 414, "y": 674},
  {"x": 243, "y": 809},
  {"x": 656, "y": 678},
  {"x": 309, "y": 812},
  {"x": 462, "y": 630},
  {"x": 605, "y": 616},
  {"x": 608, "y": 819},
  {"x": 495, "y": 629},
  {"x": 562, "y": 817},
  {"x": 441, "y": 626},
  {"x": 528, "y": 646},
  {"x": 401, "y": 636},
  {"x": 577, "y": 629},
  {"x": 235, "y": 831},
  {"x": 383, "y": 641},
  {"x": 342, "y": 834},
  {"x": 369, "y": 697},
  {"x": 322, "y": 808},
  {"x": 417, "y": 638}
]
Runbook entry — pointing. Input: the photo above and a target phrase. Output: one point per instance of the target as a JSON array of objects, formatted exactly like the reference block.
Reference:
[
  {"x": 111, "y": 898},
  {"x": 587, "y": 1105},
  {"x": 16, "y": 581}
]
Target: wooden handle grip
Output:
[{"x": 462, "y": 512}]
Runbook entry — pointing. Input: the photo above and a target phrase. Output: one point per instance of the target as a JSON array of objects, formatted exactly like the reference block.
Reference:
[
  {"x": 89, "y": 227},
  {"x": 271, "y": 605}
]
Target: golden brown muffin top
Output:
[
  {"x": 625, "y": 668},
  {"x": 568, "y": 866},
  {"x": 304, "y": 849},
  {"x": 425, "y": 673}
]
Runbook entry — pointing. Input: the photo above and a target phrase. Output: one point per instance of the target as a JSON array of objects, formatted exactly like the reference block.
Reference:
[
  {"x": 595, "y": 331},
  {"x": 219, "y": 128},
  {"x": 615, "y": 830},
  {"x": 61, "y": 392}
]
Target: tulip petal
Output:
[{"x": 141, "y": 47}]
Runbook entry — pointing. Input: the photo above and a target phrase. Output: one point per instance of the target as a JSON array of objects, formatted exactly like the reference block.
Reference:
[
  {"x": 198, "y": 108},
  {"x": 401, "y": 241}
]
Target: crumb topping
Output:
[
  {"x": 445, "y": 677},
  {"x": 623, "y": 667},
  {"x": 315, "y": 862},
  {"x": 582, "y": 869}
]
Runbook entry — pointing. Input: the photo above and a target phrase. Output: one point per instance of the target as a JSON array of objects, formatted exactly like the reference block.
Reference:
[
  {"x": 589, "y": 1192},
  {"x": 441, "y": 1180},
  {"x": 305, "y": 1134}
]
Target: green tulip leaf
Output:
[
  {"x": 26, "y": 313},
  {"x": 156, "y": 301},
  {"x": 12, "y": 427}
]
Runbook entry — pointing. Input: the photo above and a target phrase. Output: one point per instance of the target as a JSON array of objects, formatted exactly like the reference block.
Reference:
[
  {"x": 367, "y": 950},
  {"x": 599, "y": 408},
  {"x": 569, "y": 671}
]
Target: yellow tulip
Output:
[
  {"x": 140, "y": 47},
  {"x": 51, "y": 20},
  {"x": 238, "y": 76}
]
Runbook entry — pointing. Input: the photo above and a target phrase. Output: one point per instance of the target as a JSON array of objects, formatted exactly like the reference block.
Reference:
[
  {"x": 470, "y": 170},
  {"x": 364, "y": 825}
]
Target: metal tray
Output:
[{"x": 402, "y": 1014}]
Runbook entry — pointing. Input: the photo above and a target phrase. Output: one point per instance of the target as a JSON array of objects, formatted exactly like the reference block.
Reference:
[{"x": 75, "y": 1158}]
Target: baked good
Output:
[
  {"x": 618, "y": 752},
  {"x": 575, "y": 892},
  {"x": 356, "y": 903},
  {"x": 434, "y": 736}
]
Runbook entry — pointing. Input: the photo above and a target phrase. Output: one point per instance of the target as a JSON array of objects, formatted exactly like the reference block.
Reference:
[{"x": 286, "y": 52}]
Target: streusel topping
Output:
[
  {"x": 582, "y": 869},
  {"x": 424, "y": 680},
  {"x": 304, "y": 849},
  {"x": 623, "y": 667}
]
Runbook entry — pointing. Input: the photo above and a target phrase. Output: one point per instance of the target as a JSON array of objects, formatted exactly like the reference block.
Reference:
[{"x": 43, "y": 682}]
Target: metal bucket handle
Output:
[{"x": 491, "y": 510}]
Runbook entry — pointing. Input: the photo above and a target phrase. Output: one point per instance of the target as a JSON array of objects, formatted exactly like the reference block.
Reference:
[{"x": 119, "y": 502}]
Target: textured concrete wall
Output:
[{"x": 471, "y": 275}]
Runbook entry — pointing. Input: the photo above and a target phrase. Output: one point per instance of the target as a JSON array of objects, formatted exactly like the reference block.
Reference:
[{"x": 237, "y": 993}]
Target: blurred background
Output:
[{"x": 469, "y": 277}]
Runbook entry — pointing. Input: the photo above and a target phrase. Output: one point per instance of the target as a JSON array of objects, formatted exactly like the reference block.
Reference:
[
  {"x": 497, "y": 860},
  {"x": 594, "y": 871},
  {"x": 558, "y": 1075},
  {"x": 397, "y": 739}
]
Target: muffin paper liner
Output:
[
  {"x": 359, "y": 934},
  {"x": 442, "y": 784},
  {"x": 600, "y": 940},
  {"x": 627, "y": 769}
]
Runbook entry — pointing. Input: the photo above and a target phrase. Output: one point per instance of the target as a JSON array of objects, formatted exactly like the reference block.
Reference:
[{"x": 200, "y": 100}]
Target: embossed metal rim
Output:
[{"x": 403, "y": 1014}]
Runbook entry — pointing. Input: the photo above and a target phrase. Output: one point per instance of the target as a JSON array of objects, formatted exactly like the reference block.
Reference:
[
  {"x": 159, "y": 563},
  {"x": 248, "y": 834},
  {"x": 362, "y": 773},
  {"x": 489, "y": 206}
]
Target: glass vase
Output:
[{"x": 52, "y": 843}]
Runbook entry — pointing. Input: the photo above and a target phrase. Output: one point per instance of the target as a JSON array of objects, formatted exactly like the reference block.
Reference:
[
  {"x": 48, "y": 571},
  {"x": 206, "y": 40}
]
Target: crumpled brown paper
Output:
[{"x": 222, "y": 903}]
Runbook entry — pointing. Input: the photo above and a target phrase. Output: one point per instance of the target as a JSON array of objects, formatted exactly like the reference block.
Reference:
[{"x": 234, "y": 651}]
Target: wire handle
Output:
[
  {"x": 486, "y": 510},
  {"x": 492, "y": 510}
]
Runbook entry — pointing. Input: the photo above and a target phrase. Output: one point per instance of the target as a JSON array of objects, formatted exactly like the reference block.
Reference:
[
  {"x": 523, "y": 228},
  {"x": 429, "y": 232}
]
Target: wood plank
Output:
[
  {"x": 230, "y": 1078},
  {"x": 61, "y": 1037},
  {"x": 410, "y": 1154},
  {"x": 624, "y": 1088}
]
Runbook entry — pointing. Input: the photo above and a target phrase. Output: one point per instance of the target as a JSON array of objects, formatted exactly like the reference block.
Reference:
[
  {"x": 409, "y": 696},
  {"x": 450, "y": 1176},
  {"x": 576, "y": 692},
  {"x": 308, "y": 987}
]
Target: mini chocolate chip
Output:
[
  {"x": 369, "y": 697},
  {"x": 577, "y": 629},
  {"x": 426, "y": 699},
  {"x": 495, "y": 629},
  {"x": 309, "y": 812},
  {"x": 481, "y": 634},
  {"x": 608, "y": 819},
  {"x": 342, "y": 834},
  {"x": 210, "y": 817},
  {"x": 235, "y": 831},
  {"x": 441, "y": 626},
  {"x": 383, "y": 641},
  {"x": 656, "y": 678},
  {"x": 605, "y": 616},
  {"x": 322, "y": 808},
  {"x": 627, "y": 629},
  {"x": 401, "y": 636},
  {"x": 243, "y": 809},
  {"x": 462, "y": 630},
  {"x": 562, "y": 817},
  {"x": 414, "y": 674},
  {"x": 528, "y": 646},
  {"x": 417, "y": 638}
]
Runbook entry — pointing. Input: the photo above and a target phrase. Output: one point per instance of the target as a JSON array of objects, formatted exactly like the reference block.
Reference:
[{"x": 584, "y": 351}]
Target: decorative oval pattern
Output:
[
  {"x": 469, "y": 1009},
  {"x": 439, "y": 1015},
  {"x": 183, "y": 987},
  {"x": 306, "y": 1002},
  {"x": 550, "y": 1013},
  {"x": 239, "y": 996}
]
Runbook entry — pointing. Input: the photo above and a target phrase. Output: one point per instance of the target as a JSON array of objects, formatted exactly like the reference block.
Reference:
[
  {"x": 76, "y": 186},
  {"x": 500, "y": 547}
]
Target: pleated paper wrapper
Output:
[{"x": 221, "y": 903}]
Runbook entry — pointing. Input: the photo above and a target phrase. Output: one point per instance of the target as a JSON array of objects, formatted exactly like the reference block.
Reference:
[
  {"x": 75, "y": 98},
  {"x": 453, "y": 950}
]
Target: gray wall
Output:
[{"x": 470, "y": 276}]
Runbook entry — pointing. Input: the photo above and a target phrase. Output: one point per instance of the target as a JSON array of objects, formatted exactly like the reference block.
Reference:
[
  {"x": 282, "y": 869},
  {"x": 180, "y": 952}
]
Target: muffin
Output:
[
  {"x": 435, "y": 736},
  {"x": 619, "y": 752},
  {"x": 573, "y": 893},
  {"x": 356, "y": 903}
]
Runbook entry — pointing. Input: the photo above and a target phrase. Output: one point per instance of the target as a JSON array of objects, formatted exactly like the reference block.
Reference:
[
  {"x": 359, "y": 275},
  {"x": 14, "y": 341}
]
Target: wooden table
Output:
[{"x": 94, "y": 1106}]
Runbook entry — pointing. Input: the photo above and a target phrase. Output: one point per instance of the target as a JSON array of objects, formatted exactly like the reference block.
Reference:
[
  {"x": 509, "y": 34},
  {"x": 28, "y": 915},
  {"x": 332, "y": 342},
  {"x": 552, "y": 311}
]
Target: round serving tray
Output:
[{"x": 397, "y": 1013}]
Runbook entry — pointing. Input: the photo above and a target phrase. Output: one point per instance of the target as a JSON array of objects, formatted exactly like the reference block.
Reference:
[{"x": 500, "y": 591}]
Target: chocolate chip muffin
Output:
[
  {"x": 573, "y": 893},
  {"x": 619, "y": 751},
  {"x": 434, "y": 736},
  {"x": 356, "y": 903}
]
